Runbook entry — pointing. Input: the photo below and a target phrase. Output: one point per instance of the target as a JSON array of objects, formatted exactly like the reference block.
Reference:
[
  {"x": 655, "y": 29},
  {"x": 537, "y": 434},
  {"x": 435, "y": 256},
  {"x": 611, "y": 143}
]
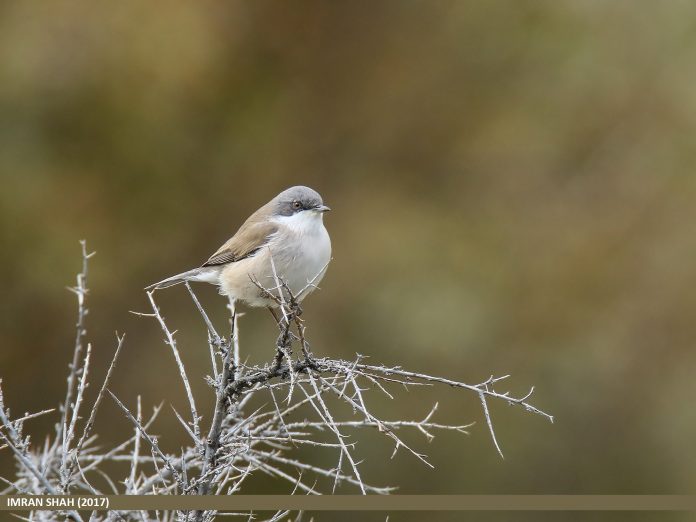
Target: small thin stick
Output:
[
  {"x": 213, "y": 441},
  {"x": 326, "y": 414},
  {"x": 93, "y": 413},
  {"x": 81, "y": 292},
  {"x": 211, "y": 329},
  {"x": 69, "y": 433},
  {"x": 130, "y": 484},
  {"x": 182, "y": 371},
  {"x": 150, "y": 440},
  {"x": 490, "y": 423}
]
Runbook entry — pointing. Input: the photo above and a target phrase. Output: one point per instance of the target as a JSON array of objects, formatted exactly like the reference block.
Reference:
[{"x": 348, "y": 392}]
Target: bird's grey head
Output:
[{"x": 298, "y": 199}]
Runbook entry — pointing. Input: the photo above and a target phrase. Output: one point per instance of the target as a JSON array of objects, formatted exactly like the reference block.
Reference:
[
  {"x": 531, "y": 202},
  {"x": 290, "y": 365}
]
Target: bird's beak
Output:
[{"x": 322, "y": 208}]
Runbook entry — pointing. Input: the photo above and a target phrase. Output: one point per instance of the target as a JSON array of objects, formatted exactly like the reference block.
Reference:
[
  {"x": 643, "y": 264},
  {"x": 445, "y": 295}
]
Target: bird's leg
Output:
[
  {"x": 233, "y": 316},
  {"x": 275, "y": 316},
  {"x": 284, "y": 341},
  {"x": 299, "y": 323}
]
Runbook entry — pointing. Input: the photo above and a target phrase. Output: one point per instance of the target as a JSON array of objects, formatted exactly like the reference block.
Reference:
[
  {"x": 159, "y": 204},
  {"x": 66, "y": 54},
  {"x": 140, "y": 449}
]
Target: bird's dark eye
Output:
[{"x": 296, "y": 205}]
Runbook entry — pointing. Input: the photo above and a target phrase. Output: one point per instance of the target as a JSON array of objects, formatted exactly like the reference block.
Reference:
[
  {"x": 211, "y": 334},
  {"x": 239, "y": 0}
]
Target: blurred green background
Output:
[{"x": 513, "y": 192}]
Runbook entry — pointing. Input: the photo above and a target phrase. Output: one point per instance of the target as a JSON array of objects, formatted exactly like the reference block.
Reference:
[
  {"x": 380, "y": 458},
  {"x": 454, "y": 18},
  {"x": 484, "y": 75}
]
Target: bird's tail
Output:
[{"x": 206, "y": 274}]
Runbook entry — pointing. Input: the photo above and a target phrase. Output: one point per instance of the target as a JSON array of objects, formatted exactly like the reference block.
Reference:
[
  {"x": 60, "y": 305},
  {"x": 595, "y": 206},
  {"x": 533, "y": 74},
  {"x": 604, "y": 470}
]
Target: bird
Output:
[{"x": 285, "y": 241}]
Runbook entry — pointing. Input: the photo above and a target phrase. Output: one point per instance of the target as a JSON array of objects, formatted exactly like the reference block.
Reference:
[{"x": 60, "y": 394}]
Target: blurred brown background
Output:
[{"x": 513, "y": 192}]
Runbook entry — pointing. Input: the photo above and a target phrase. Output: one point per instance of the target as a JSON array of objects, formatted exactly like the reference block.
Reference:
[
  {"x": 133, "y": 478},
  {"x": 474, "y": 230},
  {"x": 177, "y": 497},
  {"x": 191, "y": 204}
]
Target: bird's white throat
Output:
[{"x": 306, "y": 223}]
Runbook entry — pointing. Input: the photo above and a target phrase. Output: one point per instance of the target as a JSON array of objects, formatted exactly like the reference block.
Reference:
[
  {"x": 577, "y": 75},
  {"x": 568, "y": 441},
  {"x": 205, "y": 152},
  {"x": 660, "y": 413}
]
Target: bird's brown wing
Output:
[{"x": 251, "y": 237}]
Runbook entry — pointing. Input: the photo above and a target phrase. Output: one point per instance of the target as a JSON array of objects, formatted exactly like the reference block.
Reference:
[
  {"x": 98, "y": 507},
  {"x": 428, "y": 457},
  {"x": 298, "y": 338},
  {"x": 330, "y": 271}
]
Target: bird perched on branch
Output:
[{"x": 283, "y": 242}]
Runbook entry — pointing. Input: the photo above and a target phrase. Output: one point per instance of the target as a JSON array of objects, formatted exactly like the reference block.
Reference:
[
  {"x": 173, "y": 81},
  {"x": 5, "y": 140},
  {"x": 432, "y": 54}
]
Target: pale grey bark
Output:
[{"x": 310, "y": 401}]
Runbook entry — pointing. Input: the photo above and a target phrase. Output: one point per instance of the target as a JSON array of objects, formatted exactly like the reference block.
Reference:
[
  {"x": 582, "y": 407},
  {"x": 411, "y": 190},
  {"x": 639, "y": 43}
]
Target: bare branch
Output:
[
  {"x": 249, "y": 431},
  {"x": 182, "y": 371},
  {"x": 80, "y": 290}
]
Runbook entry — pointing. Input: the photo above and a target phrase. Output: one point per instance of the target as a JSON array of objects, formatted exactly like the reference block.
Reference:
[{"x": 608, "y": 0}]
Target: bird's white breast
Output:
[{"x": 303, "y": 247}]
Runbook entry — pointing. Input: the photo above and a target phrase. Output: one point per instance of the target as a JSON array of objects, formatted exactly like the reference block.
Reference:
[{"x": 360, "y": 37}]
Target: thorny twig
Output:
[{"x": 240, "y": 440}]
